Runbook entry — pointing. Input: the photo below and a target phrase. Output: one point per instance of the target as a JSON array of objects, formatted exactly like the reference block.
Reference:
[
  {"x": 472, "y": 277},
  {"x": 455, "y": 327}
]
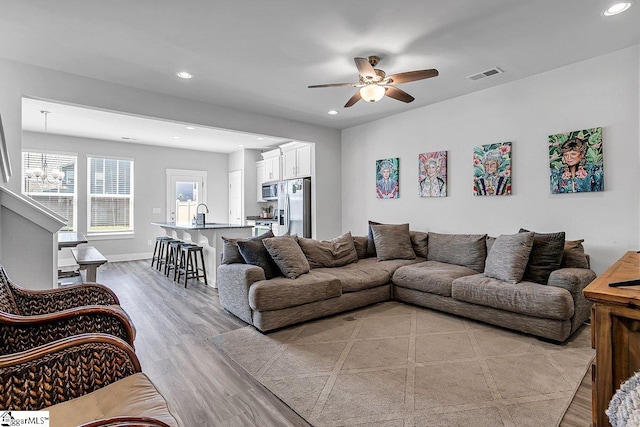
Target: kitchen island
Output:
[{"x": 209, "y": 236}]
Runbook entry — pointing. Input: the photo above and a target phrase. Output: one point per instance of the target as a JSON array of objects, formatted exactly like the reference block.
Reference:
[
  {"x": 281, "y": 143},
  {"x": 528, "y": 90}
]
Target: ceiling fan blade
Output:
[
  {"x": 355, "y": 98},
  {"x": 364, "y": 68},
  {"x": 400, "y": 95},
  {"x": 333, "y": 85},
  {"x": 411, "y": 76}
]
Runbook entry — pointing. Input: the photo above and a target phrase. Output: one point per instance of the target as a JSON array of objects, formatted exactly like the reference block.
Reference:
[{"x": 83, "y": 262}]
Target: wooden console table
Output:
[{"x": 615, "y": 332}]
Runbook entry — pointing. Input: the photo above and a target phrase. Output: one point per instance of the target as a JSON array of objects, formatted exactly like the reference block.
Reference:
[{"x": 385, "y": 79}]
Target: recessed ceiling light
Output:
[
  {"x": 176, "y": 137},
  {"x": 184, "y": 75},
  {"x": 190, "y": 128},
  {"x": 332, "y": 112},
  {"x": 617, "y": 8},
  {"x": 260, "y": 138},
  {"x": 240, "y": 145}
]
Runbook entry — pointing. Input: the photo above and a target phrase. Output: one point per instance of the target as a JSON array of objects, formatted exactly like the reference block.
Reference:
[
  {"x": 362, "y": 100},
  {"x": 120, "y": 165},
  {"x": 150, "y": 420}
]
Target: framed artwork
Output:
[
  {"x": 387, "y": 172},
  {"x": 575, "y": 161},
  {"x": 432, "y": 174},
  {"x": 492, "y": 169}
]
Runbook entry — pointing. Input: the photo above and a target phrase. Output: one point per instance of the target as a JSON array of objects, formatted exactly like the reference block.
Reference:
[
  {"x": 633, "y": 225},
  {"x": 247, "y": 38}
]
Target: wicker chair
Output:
[
  {"x": 86, "y": 380},
  {"x": 32, "y": 318}
]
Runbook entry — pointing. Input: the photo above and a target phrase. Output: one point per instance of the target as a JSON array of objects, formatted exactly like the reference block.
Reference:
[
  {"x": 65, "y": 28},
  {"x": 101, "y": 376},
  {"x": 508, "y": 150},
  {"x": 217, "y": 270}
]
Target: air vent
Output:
[{"x": 488, "y": 73}]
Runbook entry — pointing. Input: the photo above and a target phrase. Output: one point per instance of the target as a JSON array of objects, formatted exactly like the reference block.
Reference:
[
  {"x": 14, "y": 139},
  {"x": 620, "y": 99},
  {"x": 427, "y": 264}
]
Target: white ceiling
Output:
[{"x": 260, "y": 56}]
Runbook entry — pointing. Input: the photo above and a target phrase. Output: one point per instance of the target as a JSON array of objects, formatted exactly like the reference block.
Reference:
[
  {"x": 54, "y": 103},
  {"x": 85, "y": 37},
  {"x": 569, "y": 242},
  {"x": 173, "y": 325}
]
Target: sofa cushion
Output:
[
  {"x": 287, "y": 255},
  {"x": 546, "y": 256},
  {"x": 419, "y": 241},
  {"x": 254, "y": 252},
  {"x": 364, "y": 274},
  {"x": 231, "y": 253},
  {"x": 573, "y": 255},
  {"x": 281, "y": 292},
  {"x": 508, "y": 257},
  {"x": 430, "y": 276},
  {"x": 329, "y": 253},
  {"x": 532, "y": 299},
  {"x": 392, "y": 241},
  {"x": 468, "y": 250},
  {"x": 360, "y": 243},
  {"x": 134, "y": 395}
]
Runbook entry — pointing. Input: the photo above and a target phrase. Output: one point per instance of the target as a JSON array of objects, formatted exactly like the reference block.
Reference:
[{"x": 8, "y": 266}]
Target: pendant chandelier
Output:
[{"x": 42, "y": 174}]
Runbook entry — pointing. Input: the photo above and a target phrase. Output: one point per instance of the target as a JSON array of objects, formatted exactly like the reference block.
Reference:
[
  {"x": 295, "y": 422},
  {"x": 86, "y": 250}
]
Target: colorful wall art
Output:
[
  {"x": 492, "y": 169},
  {"x": 575, "y": 160},
  {"x": 387, "y": 172},
  {"x": 432, "y": 174}
]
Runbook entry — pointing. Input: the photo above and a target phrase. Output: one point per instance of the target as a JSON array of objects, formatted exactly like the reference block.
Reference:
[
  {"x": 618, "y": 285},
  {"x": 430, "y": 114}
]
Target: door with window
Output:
[{"x": 185, "y": 191}]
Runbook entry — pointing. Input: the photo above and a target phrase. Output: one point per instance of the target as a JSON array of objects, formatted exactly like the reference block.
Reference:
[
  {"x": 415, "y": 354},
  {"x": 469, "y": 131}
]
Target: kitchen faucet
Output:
[{"x": 205, "y": 206}]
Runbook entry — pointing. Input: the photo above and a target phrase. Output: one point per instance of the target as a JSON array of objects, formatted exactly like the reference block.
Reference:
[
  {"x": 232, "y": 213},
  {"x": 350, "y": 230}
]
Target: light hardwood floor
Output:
[{"x": 174, "y": 326}]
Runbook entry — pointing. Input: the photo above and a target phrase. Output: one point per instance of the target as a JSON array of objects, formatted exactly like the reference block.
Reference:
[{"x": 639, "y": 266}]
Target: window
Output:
[
  {"x": 50, "y": 179},
  {"x": 110, "y": 195}
]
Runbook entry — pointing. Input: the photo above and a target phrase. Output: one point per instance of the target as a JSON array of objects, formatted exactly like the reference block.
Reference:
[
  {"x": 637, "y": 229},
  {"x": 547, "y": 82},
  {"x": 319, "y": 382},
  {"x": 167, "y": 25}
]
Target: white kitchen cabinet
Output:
[
  {"x": 259, "y": 179},
  {"x": 272, "y": 165},
  {"x": 296, "y": 161}
]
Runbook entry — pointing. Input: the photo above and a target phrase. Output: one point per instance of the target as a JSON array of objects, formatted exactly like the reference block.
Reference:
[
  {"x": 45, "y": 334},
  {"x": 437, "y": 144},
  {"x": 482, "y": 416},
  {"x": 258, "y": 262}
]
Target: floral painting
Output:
[
  {"x": 387, "y": 171},
  {"x": 575, "y": 160},
  {"x": 432, "y": 174},
  {"x": 492, "y": 169}
]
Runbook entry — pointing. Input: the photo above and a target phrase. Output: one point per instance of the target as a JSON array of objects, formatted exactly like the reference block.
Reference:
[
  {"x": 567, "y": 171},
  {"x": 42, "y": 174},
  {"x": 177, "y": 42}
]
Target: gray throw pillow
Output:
[
  {"x": 419, "y": 240},
  {"x": 329, "y": 253},
  {"x": 546, "y": 256},
  {"x": 468, "y": 250},
  {"x": 254, "y": 252},
  {"x": 288, "y": 256},
  {"x": 508, "y": 257},
  {"x": 371, "y": 246},
  {"x": 392, "y": 241},
  {"x": 573, "y": 255},
  {"x": 231, "y": 253},
  {"x": 361, "y": 243}
]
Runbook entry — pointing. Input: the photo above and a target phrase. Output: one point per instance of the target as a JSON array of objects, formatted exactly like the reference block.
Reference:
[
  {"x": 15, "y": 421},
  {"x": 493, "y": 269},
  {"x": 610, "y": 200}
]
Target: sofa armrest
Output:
[
  {"x": 63, "y": 370},
  {"x": 234, "y": 281},
  {"x": 572, "y": 279}
]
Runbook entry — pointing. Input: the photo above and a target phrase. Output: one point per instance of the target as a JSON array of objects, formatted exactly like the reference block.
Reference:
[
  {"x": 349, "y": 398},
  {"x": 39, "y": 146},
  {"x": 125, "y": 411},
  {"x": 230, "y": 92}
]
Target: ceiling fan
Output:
[{"x": 374, "y": 84}]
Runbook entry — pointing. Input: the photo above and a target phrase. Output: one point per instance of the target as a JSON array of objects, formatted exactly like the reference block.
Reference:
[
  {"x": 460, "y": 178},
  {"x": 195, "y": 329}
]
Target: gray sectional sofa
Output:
[{"x": 526, "y": 281}]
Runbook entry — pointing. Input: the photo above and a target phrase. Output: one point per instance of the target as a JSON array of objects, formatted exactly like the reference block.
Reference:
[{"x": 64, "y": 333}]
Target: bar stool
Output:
[
  {"x": 172, "y": 257},
  {"x": 158, "y": 250},
  {"x": 163, "y": 255},
  {"x": 189, "y": 264}
]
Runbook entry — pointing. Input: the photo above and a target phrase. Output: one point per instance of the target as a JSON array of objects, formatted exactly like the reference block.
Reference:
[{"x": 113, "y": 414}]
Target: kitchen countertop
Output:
[
  {"x": 259, "y": 218},
  {"x": 206, "y": 226}
]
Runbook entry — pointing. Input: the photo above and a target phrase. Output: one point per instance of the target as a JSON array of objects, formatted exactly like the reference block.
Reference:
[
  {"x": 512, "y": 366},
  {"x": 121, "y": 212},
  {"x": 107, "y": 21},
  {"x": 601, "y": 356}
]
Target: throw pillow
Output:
[
  {"x": 361, "y": 243},
  {"x": 489, "y": 242},
  {"x": 254, "y": 252},
  {"x": 329, "y": 253},
  {"x": 231, "y": 253},
  {"x": 392, "y": 241},
  {"x": 371, "y": 246},
  {"x": 468, "y": 250},
  {"x": 287, "y": 255},
  {"x": 419, "y": 242},
  {"x": 546, "y": 256},
  {"x": 573, "y": 255},
  {"x": 508, "y": 257}
]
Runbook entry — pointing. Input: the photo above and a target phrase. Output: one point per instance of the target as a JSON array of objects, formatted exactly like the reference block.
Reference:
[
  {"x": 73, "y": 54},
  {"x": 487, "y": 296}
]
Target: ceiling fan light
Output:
[{"x": 372, "y": 92}]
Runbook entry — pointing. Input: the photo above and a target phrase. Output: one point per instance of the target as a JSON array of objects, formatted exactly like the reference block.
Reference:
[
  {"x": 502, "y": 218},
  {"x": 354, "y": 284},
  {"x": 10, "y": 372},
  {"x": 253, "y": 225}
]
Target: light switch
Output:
[{"x": 156, "y": 210}]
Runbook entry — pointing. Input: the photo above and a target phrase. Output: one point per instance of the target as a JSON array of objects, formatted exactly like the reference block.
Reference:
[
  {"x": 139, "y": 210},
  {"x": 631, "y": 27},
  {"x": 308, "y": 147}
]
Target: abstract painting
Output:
[
  {"x": 575, "y": 160},
  {"x": 432, "y": 174},
  {"x": 492, "y": 169},
  {"x": 387, "y": 172}
]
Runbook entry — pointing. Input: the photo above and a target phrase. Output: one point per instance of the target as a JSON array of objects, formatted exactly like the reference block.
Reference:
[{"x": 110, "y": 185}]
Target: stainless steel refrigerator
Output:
[{"x": 294, "y": 207}]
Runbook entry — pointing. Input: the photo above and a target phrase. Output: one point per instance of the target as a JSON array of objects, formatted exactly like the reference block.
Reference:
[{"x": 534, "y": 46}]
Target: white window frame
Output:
[
  {"x": 23, "y": 188},
  {"x": 100, "y": 235}
]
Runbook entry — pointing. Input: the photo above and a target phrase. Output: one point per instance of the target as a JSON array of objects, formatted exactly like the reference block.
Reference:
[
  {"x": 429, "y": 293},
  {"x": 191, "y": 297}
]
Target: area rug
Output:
[{"x": 394, "y": 364}]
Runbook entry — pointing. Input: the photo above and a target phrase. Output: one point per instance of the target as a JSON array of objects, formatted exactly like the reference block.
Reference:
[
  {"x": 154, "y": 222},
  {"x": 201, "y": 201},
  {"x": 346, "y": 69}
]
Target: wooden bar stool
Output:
[
  {"x": 189, "y": 264},
  {"x": 173, "y": 256},
  {"x": 159, "y": 250}
]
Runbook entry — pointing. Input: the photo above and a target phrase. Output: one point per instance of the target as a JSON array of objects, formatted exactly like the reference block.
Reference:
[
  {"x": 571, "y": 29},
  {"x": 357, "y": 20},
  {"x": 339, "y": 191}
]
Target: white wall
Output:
[
  {"x": 150, "y": 165},
  {"x": 603, "y": 91}
]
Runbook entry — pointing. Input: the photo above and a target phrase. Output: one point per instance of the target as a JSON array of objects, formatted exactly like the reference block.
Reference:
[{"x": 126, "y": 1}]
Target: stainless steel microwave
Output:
[{"x": 270, "y": 191}]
